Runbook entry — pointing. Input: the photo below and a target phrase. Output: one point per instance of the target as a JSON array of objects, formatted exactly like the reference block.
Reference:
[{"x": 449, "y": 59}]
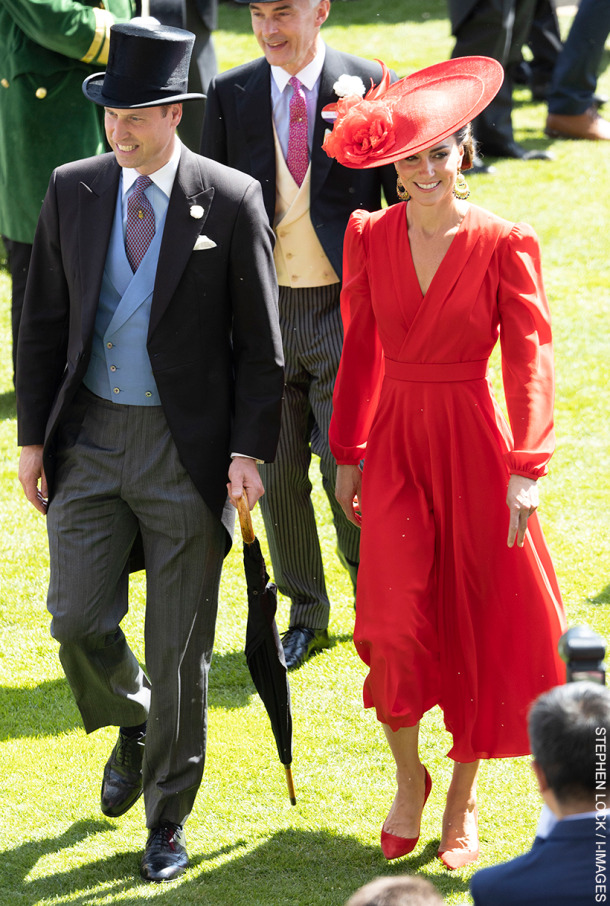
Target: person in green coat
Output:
[{"x": 47, "y": 49}]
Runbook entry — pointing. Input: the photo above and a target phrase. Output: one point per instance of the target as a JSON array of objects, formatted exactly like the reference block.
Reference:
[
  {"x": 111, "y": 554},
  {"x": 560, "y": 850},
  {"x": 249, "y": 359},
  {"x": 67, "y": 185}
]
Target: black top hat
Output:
[{"x": 146, "y": 67}]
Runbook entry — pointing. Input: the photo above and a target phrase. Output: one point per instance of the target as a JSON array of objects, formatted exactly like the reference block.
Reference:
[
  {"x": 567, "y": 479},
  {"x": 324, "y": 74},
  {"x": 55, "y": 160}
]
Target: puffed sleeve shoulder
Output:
[
  {"x": 527, "y": 353},
  {"x": 361, "y": 369}
]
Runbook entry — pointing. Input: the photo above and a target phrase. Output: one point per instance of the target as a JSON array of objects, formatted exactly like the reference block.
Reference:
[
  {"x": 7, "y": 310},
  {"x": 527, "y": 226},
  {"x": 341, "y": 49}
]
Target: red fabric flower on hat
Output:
[{"x": 363, "y": 129}]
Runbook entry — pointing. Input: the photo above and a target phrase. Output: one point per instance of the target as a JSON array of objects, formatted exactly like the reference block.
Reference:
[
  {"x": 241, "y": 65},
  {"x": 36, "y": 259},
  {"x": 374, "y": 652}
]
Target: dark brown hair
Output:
[{"x": 465, "y": 138}]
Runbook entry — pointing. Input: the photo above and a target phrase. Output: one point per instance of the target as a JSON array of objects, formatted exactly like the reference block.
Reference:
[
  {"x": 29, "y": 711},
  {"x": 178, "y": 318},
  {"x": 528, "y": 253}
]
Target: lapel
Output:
[
  {"x": 180, "y": 232},
  {"x": 253, "y": 106},
  {"x": 96, "y": 208},
  {"x": 320, "y": 161}
]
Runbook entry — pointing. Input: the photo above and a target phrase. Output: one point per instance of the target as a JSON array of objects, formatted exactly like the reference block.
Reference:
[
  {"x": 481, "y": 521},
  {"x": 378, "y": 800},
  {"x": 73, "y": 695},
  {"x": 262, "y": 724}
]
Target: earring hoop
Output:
[{"x": 401, "y": 191}]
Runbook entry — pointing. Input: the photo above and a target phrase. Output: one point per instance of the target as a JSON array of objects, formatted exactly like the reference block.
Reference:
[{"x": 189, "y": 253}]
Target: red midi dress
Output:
[{"x": 446, "y": 612}]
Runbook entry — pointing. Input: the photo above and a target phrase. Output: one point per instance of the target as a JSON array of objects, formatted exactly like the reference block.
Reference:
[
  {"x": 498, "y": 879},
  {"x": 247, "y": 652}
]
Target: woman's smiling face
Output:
[{"x": 430, "y": 175}]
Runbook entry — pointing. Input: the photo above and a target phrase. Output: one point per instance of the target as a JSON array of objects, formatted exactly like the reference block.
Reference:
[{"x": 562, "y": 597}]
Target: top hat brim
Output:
[
  {"x": 93, "y": 88},
  {"x": 430, "y": 105}
]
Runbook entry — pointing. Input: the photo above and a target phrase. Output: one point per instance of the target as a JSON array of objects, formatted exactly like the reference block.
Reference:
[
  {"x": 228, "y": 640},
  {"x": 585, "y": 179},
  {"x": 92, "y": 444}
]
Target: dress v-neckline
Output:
[{"x": 443, "y": 260}]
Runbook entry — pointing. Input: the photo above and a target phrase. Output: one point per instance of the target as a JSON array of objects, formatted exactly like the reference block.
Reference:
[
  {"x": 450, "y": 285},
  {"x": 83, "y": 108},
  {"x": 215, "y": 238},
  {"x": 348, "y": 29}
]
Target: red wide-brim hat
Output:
[{"x": 393, "y": 121}]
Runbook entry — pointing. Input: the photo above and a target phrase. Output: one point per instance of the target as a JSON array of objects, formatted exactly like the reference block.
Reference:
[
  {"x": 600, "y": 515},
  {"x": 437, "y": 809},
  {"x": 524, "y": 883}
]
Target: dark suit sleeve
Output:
[
  {"x": 214, "y": 138},
  {"x": 257, "y": 345},
  {"x": 43, "y": 334}
]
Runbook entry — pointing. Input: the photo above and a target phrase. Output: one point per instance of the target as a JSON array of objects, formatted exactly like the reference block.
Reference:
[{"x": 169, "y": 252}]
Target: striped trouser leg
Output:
[{"x": 312, "y": 335}]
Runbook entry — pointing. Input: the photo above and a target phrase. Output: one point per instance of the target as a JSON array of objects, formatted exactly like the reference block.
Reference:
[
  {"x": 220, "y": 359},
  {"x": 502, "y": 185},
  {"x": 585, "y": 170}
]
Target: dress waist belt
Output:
[{"x": 435, "y": 372}]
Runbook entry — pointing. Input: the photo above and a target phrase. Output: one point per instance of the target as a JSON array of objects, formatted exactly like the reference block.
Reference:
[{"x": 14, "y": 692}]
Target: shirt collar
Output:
[
  {"x": 598, "y": 813},
  {"x": 309, "y": 75},
  {"x": 163, "y": 178}
]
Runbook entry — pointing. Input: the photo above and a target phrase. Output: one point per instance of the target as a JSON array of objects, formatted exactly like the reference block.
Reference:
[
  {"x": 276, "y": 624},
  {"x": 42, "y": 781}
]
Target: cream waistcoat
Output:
[{"x": 300, "y": 260}]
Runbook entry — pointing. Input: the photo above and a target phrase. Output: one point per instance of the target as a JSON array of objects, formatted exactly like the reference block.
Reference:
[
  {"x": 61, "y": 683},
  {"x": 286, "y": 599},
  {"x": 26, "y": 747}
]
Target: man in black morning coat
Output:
[
  {"x": 142, "y": 386},
  {"x": 246, "y": 126}
]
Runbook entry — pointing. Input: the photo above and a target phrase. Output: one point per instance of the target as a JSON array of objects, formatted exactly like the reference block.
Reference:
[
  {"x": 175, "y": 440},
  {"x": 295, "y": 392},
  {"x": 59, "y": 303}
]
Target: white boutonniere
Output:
[
  {"x": 196, "y": 211},
  {"x": 347, "y": 85}
]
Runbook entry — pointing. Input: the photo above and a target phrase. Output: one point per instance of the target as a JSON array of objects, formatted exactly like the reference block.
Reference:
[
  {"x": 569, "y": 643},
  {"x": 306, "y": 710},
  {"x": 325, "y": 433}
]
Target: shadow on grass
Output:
[
  {"x": 602, "y": 598},
  {"x": 8, "y": 405},
  {"x": 292, "y": 867},
  {"x": 230, "y": 683},
  {"x": 49, "y": 708},
  {"x": 44, "y": 710}
]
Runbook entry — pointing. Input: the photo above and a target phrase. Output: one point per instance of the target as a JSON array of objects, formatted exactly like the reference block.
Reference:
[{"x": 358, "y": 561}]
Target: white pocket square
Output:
[{"x": 204, "y": 242}]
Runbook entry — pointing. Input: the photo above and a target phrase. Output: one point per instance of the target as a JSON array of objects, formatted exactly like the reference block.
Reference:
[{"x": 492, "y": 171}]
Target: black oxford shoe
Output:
[
  {"x": 122, "y": 783},
  {"x": 300, "y": 642},
  {"x": 165, "y": 857}
]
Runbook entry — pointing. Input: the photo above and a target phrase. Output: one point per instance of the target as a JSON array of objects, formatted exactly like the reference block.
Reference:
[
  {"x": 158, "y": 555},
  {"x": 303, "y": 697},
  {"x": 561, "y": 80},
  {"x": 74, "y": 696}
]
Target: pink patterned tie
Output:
[
  {"x": 140, "y": 227},
  {"x": 298, "y": 151}
]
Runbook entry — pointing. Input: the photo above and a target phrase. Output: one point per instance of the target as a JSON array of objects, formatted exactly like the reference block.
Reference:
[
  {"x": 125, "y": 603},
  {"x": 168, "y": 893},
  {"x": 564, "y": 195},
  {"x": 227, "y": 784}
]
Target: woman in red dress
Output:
[{"x": 450, "y": 611}]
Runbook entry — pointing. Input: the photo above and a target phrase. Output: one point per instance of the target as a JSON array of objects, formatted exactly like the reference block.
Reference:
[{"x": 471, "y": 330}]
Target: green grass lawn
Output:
[{"x": 249, "y": 846}]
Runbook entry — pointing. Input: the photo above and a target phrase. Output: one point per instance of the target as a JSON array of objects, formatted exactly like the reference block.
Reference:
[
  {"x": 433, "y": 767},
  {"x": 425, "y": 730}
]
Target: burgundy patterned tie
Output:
[
  {"x": 298, "y": 151},
  {"x": 140, "y": 227}
]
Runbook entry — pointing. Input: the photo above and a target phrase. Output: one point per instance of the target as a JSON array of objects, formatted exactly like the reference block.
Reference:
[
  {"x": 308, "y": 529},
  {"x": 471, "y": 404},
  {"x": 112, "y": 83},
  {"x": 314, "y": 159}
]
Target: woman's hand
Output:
[
  {"x": 522, "y": 501},
  {"x": 347, "y": 491}
]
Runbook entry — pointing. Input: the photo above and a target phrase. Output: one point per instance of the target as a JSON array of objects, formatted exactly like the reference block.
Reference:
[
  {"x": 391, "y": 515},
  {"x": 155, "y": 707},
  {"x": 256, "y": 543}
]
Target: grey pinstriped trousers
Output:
[
  {"x": 118, "y": 470},
  {"x": 312, "y": 335}
]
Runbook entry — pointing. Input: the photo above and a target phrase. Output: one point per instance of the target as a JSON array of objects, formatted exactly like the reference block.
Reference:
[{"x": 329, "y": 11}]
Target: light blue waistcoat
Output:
[{"x": 120, "y": 367}]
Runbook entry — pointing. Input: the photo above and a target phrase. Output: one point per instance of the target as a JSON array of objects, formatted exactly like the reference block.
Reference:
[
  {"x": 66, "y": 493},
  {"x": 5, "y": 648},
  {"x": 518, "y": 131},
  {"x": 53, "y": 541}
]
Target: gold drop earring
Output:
[{"x": 460, "y": 189}]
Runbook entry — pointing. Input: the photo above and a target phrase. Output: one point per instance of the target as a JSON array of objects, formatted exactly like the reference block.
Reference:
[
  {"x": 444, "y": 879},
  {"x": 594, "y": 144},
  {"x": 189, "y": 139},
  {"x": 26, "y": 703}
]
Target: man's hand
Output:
[
  {"x": 347, "y": 491},
  {"x": 244, "y": 478},
  {"x": 522, "y": 501},
  {"x": 32, "y": 477}
]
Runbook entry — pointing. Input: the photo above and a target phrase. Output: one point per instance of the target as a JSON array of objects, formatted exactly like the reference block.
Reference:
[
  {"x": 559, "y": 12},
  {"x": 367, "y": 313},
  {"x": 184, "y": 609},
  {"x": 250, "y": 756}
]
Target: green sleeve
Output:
[{"x": 76, "y": 30}]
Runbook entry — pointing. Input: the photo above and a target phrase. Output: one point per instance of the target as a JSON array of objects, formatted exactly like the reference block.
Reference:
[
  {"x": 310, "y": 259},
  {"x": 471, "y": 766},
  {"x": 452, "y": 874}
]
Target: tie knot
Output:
[
  {"x": 141, "y": 183},
  {"x": 294, "y": 83}
]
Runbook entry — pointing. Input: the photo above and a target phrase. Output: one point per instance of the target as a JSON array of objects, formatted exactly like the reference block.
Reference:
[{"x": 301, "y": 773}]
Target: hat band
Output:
[{"x": 126, "y": 89}]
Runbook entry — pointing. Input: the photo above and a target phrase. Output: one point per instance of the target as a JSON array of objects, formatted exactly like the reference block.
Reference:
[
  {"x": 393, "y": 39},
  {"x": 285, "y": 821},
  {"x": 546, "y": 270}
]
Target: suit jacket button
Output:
[
  {"x": 41, "y": 93},
  {"x": 4, "y": 82}
]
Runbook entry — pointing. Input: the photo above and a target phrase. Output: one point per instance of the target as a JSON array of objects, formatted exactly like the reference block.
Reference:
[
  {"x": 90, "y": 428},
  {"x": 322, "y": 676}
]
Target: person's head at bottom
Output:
[
  {"x": 402, "y": 890},
  {"x": 569, "y": 730}
]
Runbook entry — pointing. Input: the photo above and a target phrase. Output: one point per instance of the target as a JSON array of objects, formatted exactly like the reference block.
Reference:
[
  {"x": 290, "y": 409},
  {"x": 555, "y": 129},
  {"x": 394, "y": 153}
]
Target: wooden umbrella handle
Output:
[
  {"x": 245, "y": 520},
  {"x": 290, "y": 782}
]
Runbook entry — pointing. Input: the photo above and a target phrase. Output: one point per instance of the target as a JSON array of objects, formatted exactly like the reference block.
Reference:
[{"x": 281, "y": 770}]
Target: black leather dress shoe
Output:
[
  {"x": 512, "y": 149},
  {"x": 300, "y": 642},
  {"x": 165, "y": 856},
  {"x": 122, "y": 783}
]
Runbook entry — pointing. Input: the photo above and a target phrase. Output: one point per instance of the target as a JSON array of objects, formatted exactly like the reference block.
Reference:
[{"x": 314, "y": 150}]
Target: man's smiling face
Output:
[
  {"x": 143, "y": 137},
  {"x": 287, "y": 31}
]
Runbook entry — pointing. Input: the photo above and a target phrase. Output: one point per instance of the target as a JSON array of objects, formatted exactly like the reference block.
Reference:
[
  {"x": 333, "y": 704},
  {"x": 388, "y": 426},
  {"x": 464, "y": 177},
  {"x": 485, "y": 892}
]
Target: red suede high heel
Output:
[
  {"x": 457, "y": 858},
  {"x": 393, "y": 847}
]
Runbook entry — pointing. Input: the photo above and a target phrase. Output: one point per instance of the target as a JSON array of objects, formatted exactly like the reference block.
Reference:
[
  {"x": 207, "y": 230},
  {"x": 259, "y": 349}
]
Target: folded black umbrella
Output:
[{"x": 264, "y": 652}]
